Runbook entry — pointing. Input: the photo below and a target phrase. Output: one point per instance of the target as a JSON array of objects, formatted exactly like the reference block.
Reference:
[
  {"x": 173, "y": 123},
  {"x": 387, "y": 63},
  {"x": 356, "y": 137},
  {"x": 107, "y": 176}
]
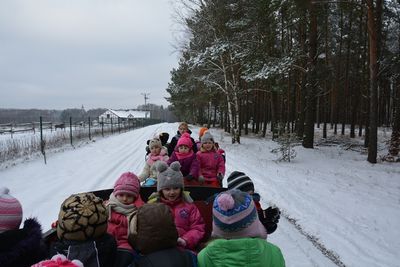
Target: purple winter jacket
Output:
[{"x": 189, "y": 165}]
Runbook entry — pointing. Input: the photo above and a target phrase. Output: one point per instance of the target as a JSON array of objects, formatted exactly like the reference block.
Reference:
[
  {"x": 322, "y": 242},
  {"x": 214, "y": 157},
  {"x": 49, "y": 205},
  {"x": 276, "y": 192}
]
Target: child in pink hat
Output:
[
  {"x": 123, "y": 204},
  {"x": 187, "y": 158}
]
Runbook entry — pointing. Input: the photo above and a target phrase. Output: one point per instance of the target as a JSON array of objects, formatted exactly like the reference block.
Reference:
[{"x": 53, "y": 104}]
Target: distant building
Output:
[{"x": 123, "y": 115}]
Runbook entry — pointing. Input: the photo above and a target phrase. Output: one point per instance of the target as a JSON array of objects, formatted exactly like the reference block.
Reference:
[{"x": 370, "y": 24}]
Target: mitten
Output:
[
  {"x": 270, "y": 218},
  {"x": 219, "y": 178},
  {"x": 272, "y": 214},
  {"x": 189, "y": 177},
  {"x": 181, "y": 242},
  {"x": 201, "y": 179}
]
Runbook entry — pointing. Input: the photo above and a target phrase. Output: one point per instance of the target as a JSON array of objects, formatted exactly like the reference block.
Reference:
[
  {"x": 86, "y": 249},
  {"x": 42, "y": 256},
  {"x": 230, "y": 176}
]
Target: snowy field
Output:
[{"x": 330, "y": 196}]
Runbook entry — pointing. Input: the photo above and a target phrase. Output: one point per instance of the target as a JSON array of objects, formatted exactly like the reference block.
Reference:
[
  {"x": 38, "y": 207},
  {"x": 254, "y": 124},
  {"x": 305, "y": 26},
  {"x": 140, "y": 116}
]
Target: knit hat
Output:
[
  {"x": 82, "y": 217},
  {"x": 207, "y": 137},
  {"x": 169, "y": 177},
  {"x": 127, "y": 183},
  {"x": 155, "y": 142},
  {"x": 57, "y": 261},
  {"x": 235, "y": 216},
  {"x": 185, "y": 140},
  {"x": 10, "y": 211},
  {"x": 202, "y": 131},
  {"x": 240, "y": 181}
]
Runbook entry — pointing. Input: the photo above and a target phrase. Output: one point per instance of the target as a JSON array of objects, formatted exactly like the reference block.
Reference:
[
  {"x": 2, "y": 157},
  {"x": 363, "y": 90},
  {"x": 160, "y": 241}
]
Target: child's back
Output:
[
  {"x": 156, "y": 239},
  {"x": 82, "y": 231},
  {"x": 18, "y": 247}
]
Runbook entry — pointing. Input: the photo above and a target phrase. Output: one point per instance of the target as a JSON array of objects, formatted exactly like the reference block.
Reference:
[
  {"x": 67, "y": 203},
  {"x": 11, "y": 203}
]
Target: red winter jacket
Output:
[
  {"x": 211, "y": 163},
  {"x": 118, "y": 226},
  {"x": 188, "y": 221}
]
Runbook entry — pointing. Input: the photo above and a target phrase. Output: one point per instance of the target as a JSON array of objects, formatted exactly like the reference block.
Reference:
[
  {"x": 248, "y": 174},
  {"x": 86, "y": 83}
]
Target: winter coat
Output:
[
  {"x": 99, "y": 252},
  {"x": 118, "y": 226},
  {"x": 249, "y": 252},
  {"x": 174, "y": 141},
  {"x": 187, "y": 217},
  {"x": 22, "y": 247},
  {"x": 157, "y": 239},
  {"x": 172, "y": 257},
  {"x": 211, "y": 164},
  {"x": 150, "y": 167},
  {"x": 189, "y": 165}
]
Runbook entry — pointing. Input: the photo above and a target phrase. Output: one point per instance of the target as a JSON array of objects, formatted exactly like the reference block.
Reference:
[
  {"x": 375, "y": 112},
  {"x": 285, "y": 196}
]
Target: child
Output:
[
  {"x": 188, "y": 220},
  {"x": 187, "y": 159},
  {"x": 239, "y": 235},
  {"x": 123, "y": 203},
  {"x": 164, "y": 141},
  {"x": 18, "y": 247},
  {"x": 183, "y": 128},
  {"x": 201, "y": 133},
  {"x": 82, "y": 231},
  {"x": 269, "y": 217},
  {"x": 212, "y": 165},
  {"x": 157, "y": 239},
  {"x": 157, "y": 153}
]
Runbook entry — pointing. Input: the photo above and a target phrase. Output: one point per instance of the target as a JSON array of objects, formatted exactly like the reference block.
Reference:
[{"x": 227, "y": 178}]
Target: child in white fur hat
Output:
[{"x": 157, "y": 153}]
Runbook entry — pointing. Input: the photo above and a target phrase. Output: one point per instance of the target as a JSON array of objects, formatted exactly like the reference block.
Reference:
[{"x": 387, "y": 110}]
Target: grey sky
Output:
[{"x": 58, "y": 54}]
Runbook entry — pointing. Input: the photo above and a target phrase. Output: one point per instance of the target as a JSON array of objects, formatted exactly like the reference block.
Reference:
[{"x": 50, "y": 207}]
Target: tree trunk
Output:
[
  {"x": 373, "y": 70},
  {"x": 308, "y": 141}
]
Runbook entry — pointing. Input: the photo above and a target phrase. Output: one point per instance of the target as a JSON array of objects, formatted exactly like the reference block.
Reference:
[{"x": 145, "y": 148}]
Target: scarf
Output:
[
  {"x": 180, "y": 155},
  {"x": 154, "y": 158},
  {"x": 116, "y": 205}
]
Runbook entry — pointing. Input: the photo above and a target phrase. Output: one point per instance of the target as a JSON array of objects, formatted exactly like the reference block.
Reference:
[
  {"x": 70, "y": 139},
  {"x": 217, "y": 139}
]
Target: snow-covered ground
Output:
[{"x": 331, "y": 198}]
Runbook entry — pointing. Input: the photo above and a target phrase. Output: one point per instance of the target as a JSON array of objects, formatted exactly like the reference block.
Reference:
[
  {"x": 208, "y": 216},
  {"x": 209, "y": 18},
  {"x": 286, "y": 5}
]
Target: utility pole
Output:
[
  {"x": 145, "y": 98},
  {"x": 145, "y": 101}
]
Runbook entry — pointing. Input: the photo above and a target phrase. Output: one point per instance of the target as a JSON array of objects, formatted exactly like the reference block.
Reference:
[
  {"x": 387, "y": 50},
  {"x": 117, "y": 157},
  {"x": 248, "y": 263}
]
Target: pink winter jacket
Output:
[
  {"x": 211, "y": 163},
  {"x": 118, "y": 226},
  {"x": 188, "y": 221}
]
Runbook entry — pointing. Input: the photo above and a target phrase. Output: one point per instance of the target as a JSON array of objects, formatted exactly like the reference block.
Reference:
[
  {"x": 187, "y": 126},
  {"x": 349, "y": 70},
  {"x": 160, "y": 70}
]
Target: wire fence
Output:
[{"x": 24, "y": 139}]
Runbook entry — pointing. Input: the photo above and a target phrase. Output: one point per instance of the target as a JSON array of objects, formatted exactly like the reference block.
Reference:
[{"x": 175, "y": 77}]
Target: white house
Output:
[{"x": 123, "y": 115}]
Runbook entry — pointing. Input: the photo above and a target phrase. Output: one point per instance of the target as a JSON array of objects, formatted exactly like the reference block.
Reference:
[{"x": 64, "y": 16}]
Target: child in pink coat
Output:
[
  {"x": 187, "y": 158},
  {"x": 212, "y": 164},
  {"x": 123, "y": 204},
  {"x": 187, "y": 217}
]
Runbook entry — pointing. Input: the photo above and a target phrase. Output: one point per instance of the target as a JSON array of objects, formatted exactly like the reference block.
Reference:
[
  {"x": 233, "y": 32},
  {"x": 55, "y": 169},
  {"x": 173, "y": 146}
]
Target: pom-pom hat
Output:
[
  {"x": 169, "y": 177},
  {"x": 127, "y": 183},
  {"x": 58, "y": 261},
  {"x": 10, "y": 211},
  {"x": 239, "y": 180},
  {"x": 207, "y": 137},
  {"x": 185, "y": 140},
  {"x": 235, "y": 216}
]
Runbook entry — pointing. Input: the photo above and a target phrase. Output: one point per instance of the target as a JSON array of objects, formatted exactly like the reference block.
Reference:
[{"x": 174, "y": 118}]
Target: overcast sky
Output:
[{"x": 58, "y": 54}]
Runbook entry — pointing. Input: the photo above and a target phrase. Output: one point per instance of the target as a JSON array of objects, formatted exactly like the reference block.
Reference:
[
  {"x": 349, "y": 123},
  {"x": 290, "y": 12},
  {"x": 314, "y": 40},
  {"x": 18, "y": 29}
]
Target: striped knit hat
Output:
[
  {"x": 240, "y": 181},
  {"x": 235, "y": 216},
  {"x": 10, "y": 211}
]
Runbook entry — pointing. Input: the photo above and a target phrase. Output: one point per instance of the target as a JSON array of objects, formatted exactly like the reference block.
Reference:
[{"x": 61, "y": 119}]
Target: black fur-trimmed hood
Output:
[{"x": 22, "y": 247}]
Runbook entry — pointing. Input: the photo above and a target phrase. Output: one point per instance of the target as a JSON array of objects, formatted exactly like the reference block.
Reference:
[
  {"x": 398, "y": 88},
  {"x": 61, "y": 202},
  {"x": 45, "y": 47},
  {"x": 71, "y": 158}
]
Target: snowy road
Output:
[{"x": 320, "y": 189}]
